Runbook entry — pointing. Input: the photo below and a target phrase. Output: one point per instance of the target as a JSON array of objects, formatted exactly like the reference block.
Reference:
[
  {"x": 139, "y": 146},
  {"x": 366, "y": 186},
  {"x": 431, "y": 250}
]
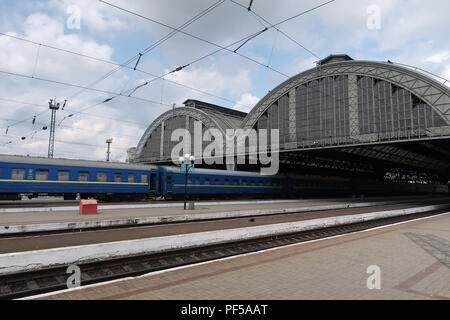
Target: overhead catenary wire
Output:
[
  {"x": 175, "y": 70},
  {"x": 72, "y": 142},
  {"x": 156, "y": 44},
  {"x": 42, "y": 106},
  {"x": 259, "y": 17},
  {"x": 67, "y": 127},
  {"x": 148, "y": 49},
  {"x": 210, "y": 42},
  {"x": 116, "y": 94},
  {"x": 127, "y": 67}
]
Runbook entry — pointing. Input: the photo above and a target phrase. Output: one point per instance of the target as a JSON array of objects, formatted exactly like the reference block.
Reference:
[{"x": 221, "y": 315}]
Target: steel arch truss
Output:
[
  {"x": 430, "y": 91},
  {"x": 193, "y": 113}
]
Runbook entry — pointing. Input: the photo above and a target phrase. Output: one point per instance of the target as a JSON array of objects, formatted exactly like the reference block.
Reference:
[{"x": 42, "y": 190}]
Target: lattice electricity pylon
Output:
[{"x": 51, "y": 141}]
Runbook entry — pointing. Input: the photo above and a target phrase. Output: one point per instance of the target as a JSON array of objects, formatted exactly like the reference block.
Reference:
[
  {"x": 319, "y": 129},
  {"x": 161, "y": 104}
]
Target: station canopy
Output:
[{"x": 365, "y": 118}]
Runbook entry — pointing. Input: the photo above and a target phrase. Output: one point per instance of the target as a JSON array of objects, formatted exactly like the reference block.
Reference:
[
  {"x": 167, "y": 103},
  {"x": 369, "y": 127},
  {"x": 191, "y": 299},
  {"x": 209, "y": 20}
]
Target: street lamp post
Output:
[{"x": 187, "y": 162}]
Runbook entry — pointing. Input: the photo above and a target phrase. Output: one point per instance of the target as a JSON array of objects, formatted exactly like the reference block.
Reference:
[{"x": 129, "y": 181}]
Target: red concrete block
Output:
[{"x": 88, "y": 206}]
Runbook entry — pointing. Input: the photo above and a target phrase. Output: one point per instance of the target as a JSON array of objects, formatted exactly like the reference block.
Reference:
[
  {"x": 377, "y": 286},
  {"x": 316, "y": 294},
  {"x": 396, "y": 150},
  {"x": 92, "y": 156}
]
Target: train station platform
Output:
[
  {"x": 124, "y": 214},
  {"x": 412, "y": 259},
  {"x": 166, "y": 213}
]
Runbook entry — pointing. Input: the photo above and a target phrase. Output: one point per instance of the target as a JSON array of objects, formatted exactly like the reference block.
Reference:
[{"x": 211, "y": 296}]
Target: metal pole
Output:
[
  {"x": 108, "y": 152},
  {"x": 51, "y": 141},
  {"x": 185, "y": 185}
]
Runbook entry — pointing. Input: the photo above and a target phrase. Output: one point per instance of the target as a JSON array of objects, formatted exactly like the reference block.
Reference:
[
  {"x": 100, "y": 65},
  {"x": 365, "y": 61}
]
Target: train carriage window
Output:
[
  {"x": 117, "y": 177},
  {"x": 252, "y": 182},
  {"x": 260, "y": 183},
  {"x": 101, "y": 176},
  {"x": 131, "y": 177},
  {"x": 189, "y": 180},
  {"x": 83, "y": 176},
  {"x": 216, "y": 181},
  {"x": 197, "y": 180},
  {"x": 207, "y": 181},
  {"x": 144, "y": 178},
  {"x": 169, "y": 179},
  {"x": 244, "y": 182},
  {"x": 18, "y": 174},
  {"x": 41, "y": 175},
  {"x": 235, "y": 181},
  {"x": 63, "y": 175},
  {"x": 227, "y": 181}
]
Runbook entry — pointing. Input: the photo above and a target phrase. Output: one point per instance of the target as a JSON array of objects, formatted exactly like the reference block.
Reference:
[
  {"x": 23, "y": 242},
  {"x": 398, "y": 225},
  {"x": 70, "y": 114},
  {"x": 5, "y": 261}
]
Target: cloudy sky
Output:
[{"x": 67, "y": 49}]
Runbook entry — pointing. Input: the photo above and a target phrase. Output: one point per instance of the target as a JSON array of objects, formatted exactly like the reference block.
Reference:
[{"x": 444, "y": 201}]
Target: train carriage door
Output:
[{"x": 153, "y": 183}]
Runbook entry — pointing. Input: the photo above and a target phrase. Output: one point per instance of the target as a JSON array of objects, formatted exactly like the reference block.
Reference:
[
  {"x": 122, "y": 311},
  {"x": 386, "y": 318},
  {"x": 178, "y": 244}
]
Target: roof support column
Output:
[
  {"x": 161, "y": 145},
  {"x": 292, "y": 120},
  {"x": 353, "y": 105},
  {"x": 187, "y": 138}
]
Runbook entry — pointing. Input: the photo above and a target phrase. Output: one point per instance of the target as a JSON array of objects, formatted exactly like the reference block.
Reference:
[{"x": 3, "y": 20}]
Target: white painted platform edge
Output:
[
  {"x": 33, "y": 260},
  {"x": 174, "y": 218}
]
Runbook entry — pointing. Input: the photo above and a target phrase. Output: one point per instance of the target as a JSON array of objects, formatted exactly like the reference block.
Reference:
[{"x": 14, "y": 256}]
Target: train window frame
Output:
[
  {"x": 117, "y": 177},
  {"x": 100, "y": 174},
  {"x": 169, "y": 180},
  {"x": 81, "y": 173},
  {"x": 144, "y": 178},
  {"x": 59, "y": 177},
  {"x": 244, "y": 182},
  {"x": 252, "y": 182},
  {"x": 16, "y": 176},
  {"x": 197, "y": 180},
  {"x": 260, "y": 183},
  {"x": 216, "y": 180},
  {"x": 131, "y": 177},
  {"x": 227, "y": 181},
  {"x": 236, "y": 182},
  {"x": 189, "y": 180},
  {"x": 41, "y": 175},
  {"x": 207, "y": 181}
]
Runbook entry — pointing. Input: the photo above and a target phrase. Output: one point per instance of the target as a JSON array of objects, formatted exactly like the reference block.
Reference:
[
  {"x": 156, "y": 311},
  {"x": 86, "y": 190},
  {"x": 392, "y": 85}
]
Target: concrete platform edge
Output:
[{"x": 29, "y": 228}]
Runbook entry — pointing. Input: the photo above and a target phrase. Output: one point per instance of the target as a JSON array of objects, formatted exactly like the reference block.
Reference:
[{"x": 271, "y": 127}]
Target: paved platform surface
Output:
[
  {"x": 13, "y": 218},
  {"x": 413, "y": 257}
]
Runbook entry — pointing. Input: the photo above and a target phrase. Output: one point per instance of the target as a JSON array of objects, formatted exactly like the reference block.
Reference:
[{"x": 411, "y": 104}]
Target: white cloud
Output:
[
  {"x": 246, "y": 103},
  {"x": 439, "y": 57},
  {"x": 94, "y": 15}
]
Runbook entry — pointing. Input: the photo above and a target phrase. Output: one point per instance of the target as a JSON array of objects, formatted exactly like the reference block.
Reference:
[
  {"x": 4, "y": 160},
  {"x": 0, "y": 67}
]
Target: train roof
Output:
[
  {"x": 223, "y": 172},
  {"x": 73, "y": 163}
]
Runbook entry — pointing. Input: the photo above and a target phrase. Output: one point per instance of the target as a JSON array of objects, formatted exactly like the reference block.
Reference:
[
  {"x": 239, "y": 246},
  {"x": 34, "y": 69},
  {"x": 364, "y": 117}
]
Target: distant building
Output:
[{"x": 131, "y": 152}]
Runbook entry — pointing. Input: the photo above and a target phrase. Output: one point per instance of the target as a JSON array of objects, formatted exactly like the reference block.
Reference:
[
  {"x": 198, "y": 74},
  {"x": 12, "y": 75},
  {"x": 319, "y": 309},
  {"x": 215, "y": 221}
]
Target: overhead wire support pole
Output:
[
  {"x": 108, "y": 152},
  {"x": 53, "y": 106}
]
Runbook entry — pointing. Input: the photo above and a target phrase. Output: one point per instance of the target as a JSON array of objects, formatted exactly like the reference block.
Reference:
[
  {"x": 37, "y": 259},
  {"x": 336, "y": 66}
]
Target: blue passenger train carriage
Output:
[
  {"x": 102, "y": 180},
  {"x": 209, "y": 182}
]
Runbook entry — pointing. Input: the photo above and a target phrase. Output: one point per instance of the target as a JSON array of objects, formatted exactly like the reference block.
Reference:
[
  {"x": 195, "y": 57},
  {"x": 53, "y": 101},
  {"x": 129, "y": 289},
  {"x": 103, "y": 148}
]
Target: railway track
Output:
[{"x": 19, "y": 285}]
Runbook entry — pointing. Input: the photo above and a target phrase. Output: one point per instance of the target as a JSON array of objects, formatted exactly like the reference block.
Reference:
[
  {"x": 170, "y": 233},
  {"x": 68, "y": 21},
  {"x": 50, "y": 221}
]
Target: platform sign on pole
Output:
[{"x": 190, "y": 168}]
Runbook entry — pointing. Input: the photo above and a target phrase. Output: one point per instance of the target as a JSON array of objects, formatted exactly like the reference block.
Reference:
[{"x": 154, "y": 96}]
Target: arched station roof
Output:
[
  {"x": 155, "y": 144},
  {"x": 342, "y": 114}
]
